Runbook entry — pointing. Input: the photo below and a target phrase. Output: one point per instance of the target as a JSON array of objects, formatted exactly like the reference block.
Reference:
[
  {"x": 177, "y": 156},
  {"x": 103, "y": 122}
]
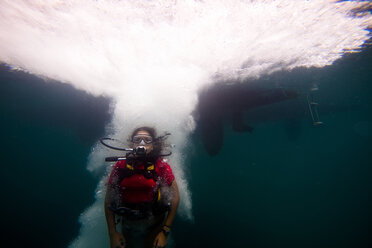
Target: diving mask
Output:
[{"x": 140, "y": 139}]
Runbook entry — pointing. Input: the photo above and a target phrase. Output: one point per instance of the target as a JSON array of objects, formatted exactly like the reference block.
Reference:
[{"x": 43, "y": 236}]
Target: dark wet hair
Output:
[
  {"x": 150, "y": 130},
  {"x": 158, "y": 142}
]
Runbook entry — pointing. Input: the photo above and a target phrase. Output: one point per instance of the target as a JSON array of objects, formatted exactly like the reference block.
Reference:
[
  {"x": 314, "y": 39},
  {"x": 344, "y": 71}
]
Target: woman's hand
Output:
[
  {"x": 117, "y": 240},
  {"x": 160, "y": 240}
]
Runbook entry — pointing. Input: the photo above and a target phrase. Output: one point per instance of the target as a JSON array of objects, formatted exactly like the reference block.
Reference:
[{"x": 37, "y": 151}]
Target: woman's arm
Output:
[
  {"x": 117, "y": 240},
  {"x": 161, "y": 238},
  {"x": 110, "y": 216},
  {"x": 174, "y": 206}
]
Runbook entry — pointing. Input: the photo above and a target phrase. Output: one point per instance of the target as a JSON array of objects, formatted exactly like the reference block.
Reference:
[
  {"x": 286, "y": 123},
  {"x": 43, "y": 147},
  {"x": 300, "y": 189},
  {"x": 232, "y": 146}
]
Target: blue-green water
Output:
[
  {"x": 47, "y": 132},
  {"x": 262, "y": 190}
]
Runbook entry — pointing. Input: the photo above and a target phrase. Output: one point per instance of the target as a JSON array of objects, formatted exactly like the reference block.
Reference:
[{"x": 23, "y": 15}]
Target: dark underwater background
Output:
[{"x": 287, "y": 184}]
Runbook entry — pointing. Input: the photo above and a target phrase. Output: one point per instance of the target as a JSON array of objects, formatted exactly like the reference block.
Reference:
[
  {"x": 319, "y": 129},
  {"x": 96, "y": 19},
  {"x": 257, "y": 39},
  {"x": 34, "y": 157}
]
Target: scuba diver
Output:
[{"x": 142, "y": 195}]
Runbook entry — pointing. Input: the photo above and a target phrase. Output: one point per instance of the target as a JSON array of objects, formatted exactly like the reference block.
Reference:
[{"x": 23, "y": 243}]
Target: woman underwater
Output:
[{"x": 142, "y": 191}]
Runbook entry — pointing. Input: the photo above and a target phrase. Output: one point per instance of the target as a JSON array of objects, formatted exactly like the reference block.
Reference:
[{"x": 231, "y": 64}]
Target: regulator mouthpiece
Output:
[{"x": 140, "y": 151}]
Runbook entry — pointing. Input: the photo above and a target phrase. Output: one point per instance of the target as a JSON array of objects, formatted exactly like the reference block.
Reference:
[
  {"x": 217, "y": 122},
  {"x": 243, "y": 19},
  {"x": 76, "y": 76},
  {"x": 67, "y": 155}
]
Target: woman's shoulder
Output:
[
  {"x": 119, "y": 164},
  {"x": 162, "y": 162},
  {"x": 165, "y": 171},
  {"x": 163, "y": 165}
]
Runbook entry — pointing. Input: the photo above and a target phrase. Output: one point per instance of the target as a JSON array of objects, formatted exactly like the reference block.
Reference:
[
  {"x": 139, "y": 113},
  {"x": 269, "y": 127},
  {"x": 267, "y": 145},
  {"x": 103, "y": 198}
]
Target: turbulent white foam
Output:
[{"x": 151, "y": 57}]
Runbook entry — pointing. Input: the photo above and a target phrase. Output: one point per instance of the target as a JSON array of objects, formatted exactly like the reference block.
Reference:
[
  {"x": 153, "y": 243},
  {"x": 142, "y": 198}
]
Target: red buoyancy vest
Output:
[{"x": 138, "y": 188}]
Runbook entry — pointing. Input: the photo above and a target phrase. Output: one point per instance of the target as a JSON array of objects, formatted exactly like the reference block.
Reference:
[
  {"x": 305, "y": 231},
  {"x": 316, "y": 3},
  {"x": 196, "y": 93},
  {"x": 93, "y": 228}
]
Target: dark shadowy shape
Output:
[
  {"x": 28, "y": 98},
  {"x": 47, "y": 130},
  {"x": 273, "y": 98},
  {"x": 228, "y": 102}
]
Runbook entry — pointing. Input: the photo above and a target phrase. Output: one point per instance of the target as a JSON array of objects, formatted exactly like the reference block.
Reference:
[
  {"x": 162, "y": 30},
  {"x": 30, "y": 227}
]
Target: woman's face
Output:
[{"x": 143, "y": 138}]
